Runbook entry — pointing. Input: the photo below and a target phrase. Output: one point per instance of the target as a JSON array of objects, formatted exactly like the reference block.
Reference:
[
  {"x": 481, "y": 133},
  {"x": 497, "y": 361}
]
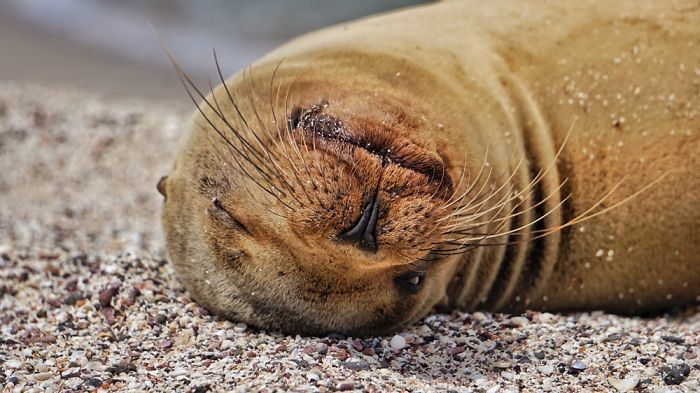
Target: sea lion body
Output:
[{"x": 468, "y": 144}]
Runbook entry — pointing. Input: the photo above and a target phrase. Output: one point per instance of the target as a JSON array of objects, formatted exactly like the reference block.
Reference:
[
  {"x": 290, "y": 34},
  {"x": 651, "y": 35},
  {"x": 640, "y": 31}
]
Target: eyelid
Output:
[{"x": 218, "y": 211}]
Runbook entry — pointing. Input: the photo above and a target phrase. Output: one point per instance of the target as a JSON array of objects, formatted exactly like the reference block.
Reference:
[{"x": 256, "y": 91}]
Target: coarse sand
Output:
[{"x": 89, "y": 300}]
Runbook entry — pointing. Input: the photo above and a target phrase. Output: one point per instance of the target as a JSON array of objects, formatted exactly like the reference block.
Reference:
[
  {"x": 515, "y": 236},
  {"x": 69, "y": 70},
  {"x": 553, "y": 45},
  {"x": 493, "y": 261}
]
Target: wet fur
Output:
[{"x": 480, "y": 161}]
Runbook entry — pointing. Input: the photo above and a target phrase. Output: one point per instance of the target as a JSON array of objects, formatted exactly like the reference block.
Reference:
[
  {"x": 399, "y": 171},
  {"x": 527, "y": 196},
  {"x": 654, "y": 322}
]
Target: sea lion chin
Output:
[{"x": 357, "y": 178}]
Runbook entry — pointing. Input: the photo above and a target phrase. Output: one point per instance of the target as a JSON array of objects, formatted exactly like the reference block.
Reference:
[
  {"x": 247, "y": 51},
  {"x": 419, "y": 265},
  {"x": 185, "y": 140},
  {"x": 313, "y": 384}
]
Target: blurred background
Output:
[{"x": 108, "y": 46}]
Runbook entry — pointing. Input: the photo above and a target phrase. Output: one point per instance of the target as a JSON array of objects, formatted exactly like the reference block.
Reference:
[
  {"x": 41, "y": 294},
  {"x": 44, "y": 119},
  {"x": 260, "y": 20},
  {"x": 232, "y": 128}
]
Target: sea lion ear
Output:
[{"x": 161, "y": 186}]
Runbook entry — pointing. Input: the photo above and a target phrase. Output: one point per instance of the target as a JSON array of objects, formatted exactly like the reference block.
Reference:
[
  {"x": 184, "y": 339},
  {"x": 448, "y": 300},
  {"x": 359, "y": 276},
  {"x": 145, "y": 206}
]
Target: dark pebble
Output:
[
  {"x": 301, "y": 363},
  {"x": 201, "y": 389},
  {"x": 131, "y": 297},
  {"x": 644, "y": 361},
  {"x": 108, "y": 313},
  {"x": 539, "y": 355},
  {"x": 561, "y": 367},
  {"x": 524, "y": 359},
  {"x": 342, "y": 354},
  {"x": 94, "y": 382},
  {"x": 674, "y": 375},
  {"x": 335, "y": 337},
  {"x": 357, "y": 345},
  {"x": 322, "y": 349},
  {"x": 345, "y": 386},
  {"x": 161, "y": 319},
  {"x": 41, "y": 314},
  {"x": 429, "y": 339},
  {"x": 54, "y": 302},
  {"x": 356, "y": 365},
  {"x": 72, "y": 298},
  {"x": 674, "y": 339},
  {"x": 106, "y": 296},
  {"x": 456, "y": 350},
  {"x": 368, "y": 352},
  {"x": 614, "y": 337},
  {"x": 13, "y": 380},
  {"x": 72, "y": 285}
]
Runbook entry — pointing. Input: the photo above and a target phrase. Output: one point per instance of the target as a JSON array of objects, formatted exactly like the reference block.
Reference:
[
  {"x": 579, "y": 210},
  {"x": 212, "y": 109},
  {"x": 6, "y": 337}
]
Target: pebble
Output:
[
  {"x": 345, "y": 386},
  {"x": 180, "y": 371},
  {"x": 624, "y": 385},
  {"x": 674, "y": 339},
  {"x": 479, "y": 316},
  {"x": 502, "y": 364},
  {"x": 456, "y": 350},
  {"x": 13, "y": 363},
  {"x": 519, "y": 321},
  {"x": 43, "y": 376},
  {"x": 94, "y": 382},
  {"x": 240, "y": 327},
  {"x": 674, "y": 375},
  {"x": 577, "y": 365},
  {"x": 507, "y": 375},
  {"x": 94, "y": 365},
  {"x": 546, "y": 370},
  {"x": 312, "y": 377},
  {"x": 356, "y": 365},
  {"x": 105, "y": 297},
  {"x": 226, "y": 344},
  {"x": 397, "y": 342}
]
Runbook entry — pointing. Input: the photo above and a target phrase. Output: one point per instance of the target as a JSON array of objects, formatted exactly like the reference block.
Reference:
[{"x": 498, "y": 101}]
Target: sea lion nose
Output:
[{"x": 362, "y": 234}]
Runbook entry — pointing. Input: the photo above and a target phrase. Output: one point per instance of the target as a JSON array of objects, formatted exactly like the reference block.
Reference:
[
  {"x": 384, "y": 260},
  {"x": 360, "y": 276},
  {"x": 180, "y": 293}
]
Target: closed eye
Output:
[{"x": 219, "y": 212}]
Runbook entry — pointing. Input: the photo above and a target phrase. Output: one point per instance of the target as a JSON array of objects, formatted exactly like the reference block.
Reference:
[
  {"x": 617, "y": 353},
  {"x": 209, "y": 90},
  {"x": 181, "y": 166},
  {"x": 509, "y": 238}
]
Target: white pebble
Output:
[
  {"x": 397, "y": 342},
  {"x": 546, "y": 370},
  {"x": 226, "y": 344},
  {"x": 43, "y": 376},
  {"x": 240, "y": 327},
  {"x": 624, "y": 385},
  {"x": 519, "y": 321},
  {"x": 228, "y": 325},
  {"x": 312, "y": 377},
  {"x": 180, "y": 371},
  {"x": 479, "y": 316},
  {"x": 94, "y": 366},
  {"x": 13, "y": 363}
]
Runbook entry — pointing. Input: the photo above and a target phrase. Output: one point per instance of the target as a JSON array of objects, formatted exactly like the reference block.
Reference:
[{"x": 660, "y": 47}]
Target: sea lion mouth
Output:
[{"x": 389, "y": 149}]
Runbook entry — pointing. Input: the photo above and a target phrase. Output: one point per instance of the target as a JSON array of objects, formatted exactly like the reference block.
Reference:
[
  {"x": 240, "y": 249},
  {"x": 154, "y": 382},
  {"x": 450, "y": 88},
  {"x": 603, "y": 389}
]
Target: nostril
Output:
[{"x": 363, "y": 232}]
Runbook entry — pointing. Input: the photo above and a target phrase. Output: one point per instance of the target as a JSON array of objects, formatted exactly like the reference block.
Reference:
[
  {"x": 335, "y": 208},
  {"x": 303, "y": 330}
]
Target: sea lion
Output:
[{"x": 474, "y": 155}]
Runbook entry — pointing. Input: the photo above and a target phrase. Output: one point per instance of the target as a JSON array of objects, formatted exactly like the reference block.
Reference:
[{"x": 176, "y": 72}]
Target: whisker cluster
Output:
[{"x": 479, "y": 212}]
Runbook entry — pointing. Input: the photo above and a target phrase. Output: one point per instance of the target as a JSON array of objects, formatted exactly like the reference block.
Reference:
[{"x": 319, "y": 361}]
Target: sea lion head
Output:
[{"x": 312, "y": 216}]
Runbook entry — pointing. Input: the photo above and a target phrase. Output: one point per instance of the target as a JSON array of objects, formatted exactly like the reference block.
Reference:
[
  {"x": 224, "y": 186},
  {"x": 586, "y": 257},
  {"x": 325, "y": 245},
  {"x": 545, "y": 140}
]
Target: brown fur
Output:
[{"x": 521, "y": 154}]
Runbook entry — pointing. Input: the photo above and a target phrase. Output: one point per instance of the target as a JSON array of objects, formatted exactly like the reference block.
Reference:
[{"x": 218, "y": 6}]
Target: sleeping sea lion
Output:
[{"x": 501, "y": 156}]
